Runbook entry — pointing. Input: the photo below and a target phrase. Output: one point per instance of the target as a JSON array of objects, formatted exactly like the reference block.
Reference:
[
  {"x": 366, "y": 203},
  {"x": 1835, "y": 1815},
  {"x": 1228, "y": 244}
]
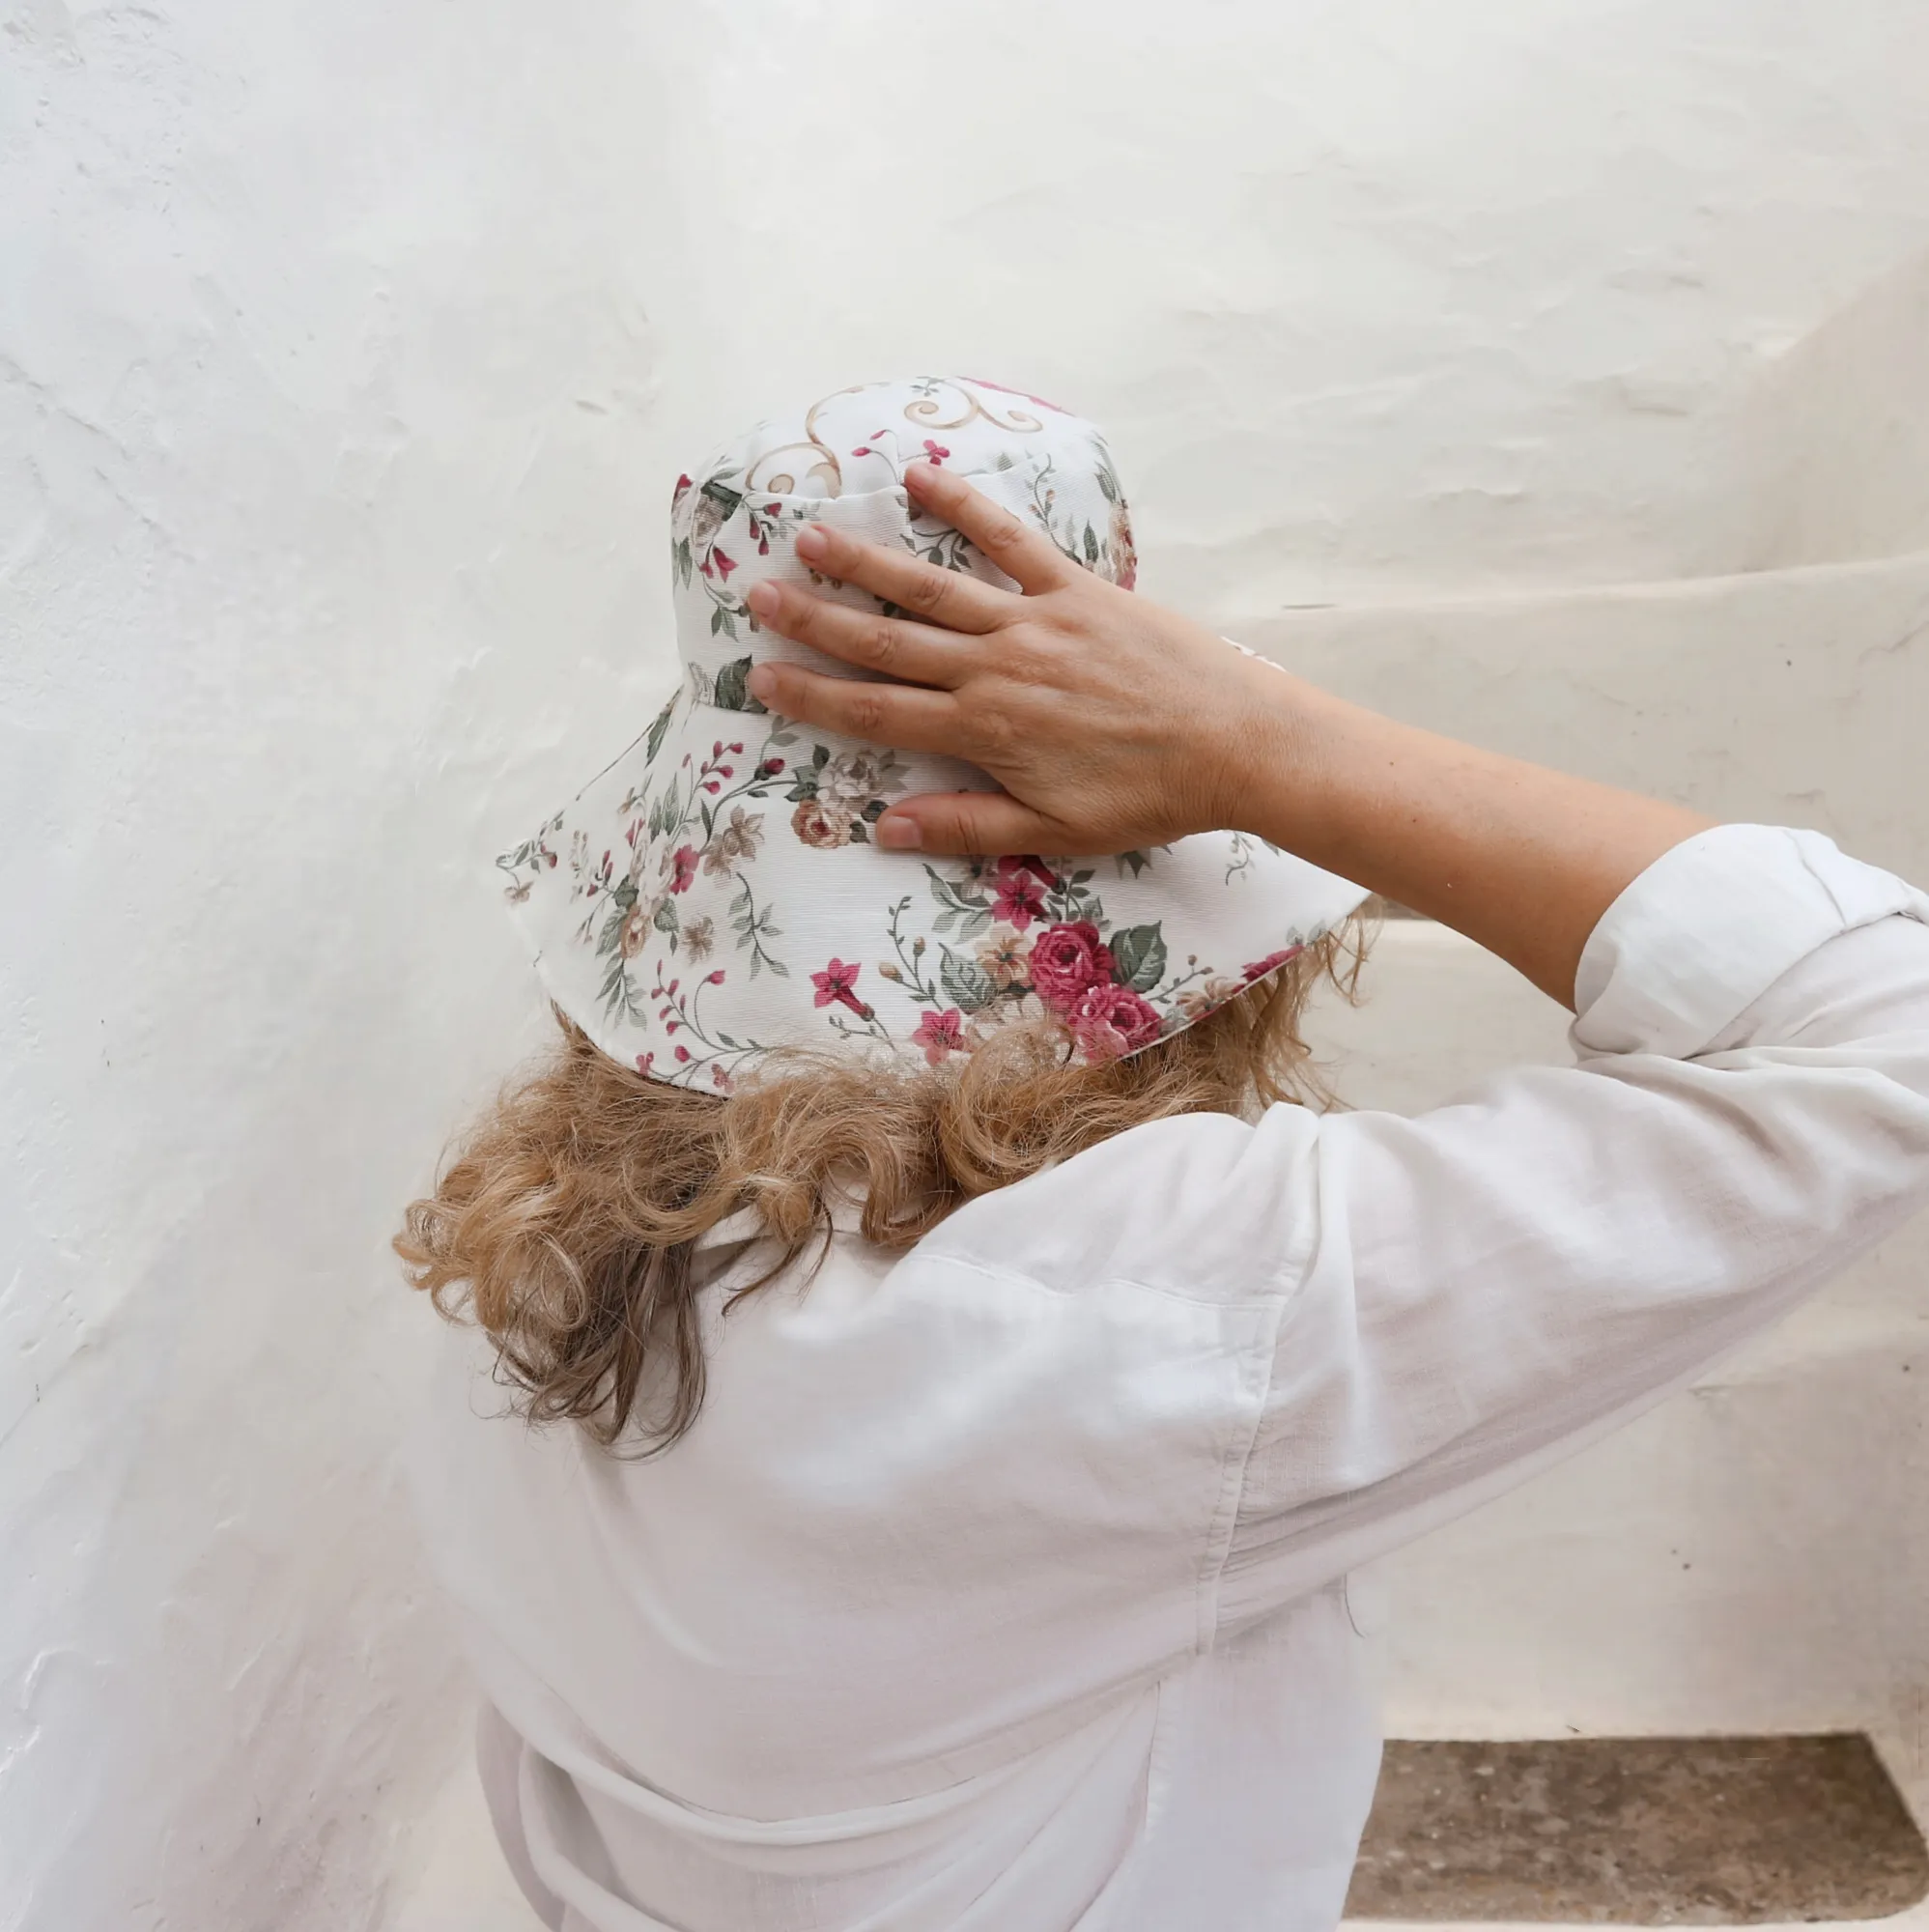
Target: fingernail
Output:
[
  {"x": 762, "y": 598},
  {"x": 900, "y": 835},
  {"x": 761, "y": 683},
  {"x": 812, "y": 542}
]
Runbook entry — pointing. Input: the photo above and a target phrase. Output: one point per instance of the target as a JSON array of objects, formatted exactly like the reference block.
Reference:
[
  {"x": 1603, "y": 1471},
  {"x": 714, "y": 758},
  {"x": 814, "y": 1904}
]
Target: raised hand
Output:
[{"x": 1111, "y": 724}]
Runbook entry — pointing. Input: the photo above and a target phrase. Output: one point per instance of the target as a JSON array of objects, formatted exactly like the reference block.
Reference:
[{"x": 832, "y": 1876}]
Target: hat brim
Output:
[{"x": 716, "y": 894}]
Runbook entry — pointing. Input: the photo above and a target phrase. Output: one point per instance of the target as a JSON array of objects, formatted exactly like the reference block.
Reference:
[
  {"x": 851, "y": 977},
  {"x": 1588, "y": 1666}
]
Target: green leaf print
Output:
[
  {"x": 966, "y": 985},
  {"x": 972, "y": 913},
  {"x": 1139, "y": 956},
  {"x": 732, "y": 688}
]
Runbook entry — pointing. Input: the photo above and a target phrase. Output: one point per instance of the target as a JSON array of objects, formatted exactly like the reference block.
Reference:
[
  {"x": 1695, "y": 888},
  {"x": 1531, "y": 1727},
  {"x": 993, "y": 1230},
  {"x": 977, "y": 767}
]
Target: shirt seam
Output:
[
  {"x": 1238, "y": 1464},
  {"x": 1234, "y": 1458}
]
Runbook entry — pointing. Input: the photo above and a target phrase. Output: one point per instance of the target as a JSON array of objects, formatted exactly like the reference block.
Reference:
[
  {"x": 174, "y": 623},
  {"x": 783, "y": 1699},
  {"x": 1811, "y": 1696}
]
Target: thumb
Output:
[{"x": 966, "y": 823}]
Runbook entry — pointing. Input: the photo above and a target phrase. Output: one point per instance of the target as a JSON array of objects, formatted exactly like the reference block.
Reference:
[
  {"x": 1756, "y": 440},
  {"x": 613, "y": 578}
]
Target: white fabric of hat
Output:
[{"x": 715, "y": 893}]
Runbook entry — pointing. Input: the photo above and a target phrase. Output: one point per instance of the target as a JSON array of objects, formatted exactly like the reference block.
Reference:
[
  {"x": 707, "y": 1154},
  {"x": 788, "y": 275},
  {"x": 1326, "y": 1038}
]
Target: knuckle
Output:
[
  {"x": 864, "y": 712},
  {"x": 798, "y": 616},
  {"x": 1028, "y": 654},
  {"x": 1002, "y": 535},
  {"x": 880, "y": 644},
  {"x": 994, "y": 735},
  {"x": 948, "y": 831},
  {"x": 928, "y": 592}
]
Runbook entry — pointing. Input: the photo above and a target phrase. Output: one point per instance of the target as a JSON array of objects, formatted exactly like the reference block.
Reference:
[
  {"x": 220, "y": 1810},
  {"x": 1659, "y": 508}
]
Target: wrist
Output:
[{"x": 1279, "y": 779}]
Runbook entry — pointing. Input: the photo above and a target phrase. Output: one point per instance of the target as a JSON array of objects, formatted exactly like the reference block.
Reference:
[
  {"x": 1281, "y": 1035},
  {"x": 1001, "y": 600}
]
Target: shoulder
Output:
[{"x": 1206, "y": 1207}]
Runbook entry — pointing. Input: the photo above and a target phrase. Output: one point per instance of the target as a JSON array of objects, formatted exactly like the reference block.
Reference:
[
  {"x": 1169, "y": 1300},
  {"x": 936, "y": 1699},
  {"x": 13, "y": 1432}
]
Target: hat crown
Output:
[{"x": 841, "y": 461}]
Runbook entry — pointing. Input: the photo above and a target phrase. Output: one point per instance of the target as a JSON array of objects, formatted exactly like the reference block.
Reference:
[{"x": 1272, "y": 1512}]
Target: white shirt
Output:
[{"x": 1002, "y": 1585}]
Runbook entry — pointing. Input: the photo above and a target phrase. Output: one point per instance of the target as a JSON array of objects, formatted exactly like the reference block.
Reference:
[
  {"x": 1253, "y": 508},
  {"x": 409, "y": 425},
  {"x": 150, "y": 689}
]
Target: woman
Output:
[{"x": 968, "y": 1376}]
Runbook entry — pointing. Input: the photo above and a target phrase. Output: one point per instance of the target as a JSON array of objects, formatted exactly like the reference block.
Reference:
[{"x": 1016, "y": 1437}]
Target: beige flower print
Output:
[
  {"x": 1005, "y": 954},
  {"x": 738, "y": 840},
  {"x": 706, "y": 518},
  {"x": 817, "y": 827},
  {"x": 1026, "y": 1010},
  {"x": 1196, "y": 1002},
  {"x": 855, "y": 779},
  {"x": 637, "y": 927},
  {"x": 699, "y": 937},
  {"x": 1124, "y": 557}
]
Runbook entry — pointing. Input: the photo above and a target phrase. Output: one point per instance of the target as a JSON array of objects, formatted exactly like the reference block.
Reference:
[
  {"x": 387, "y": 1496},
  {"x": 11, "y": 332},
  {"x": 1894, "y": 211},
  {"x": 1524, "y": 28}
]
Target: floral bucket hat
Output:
[{"x": 716, "y": 893}]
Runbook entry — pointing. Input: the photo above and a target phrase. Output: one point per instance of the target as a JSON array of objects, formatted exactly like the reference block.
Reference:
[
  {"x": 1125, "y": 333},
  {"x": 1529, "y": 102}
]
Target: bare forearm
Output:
[
  {"x": 1113, "y": 725},
  {"x": 1520, "y": 859}
]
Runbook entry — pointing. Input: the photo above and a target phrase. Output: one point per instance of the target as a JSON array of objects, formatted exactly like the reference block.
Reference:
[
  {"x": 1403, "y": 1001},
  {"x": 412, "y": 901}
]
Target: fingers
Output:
[
  {"x": 901, "y": 715},
  {"x": 967, "y": 822},
  {"x": 1020, "y": 551},
  {"x": 919, "y": 653},
  {"x": 947, "y": 597}
]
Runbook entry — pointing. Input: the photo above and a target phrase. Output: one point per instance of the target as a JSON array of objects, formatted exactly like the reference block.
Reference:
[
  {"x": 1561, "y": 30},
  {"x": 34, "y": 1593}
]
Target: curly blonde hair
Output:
[{"x": 566, "y": 1220}]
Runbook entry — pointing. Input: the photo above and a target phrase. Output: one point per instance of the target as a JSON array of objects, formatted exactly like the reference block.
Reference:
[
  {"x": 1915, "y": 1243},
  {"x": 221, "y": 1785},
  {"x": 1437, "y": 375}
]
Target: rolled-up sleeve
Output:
[{"x": 1491, "y": 1285}]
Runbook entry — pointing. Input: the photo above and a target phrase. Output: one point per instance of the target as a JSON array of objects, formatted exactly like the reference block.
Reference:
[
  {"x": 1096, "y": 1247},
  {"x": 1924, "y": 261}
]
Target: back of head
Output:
[{"x": 971, "y": 1021}]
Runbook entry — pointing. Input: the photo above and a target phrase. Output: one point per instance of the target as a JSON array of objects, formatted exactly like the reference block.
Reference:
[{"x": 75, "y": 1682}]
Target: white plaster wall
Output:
[
  {"x": 346, "y": 354},
  {"x": 1833, "y": 447},
  {"x": 325, "y": 379}
]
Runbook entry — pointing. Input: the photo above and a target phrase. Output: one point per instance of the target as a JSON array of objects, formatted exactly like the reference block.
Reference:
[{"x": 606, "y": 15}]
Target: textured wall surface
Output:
[
  {"x": 324, "y": 378},
  {"x": 345, "y": 355}
]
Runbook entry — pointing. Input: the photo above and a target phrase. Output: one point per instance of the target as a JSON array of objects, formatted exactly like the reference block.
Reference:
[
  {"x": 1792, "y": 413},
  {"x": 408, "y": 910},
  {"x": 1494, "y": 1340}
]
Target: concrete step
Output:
[{"x": 1639, "y": 1831}]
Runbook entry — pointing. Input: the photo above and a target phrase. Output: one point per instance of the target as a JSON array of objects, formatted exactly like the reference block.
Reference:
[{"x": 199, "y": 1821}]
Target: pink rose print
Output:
[
  {"x": 644, "y": 1062},
  {"x": 836, "y": 985},
  {"x": 1018, "y": 888},
  {"x": 1108, "y": 1021},
  {"x": 683, "y": 868},
  {"x": 1066, "y": 960},
  {"x": 1272, "y": 963},
  {"x": 939, "y": 1034},
  {"x": 936, "y": 451}
]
